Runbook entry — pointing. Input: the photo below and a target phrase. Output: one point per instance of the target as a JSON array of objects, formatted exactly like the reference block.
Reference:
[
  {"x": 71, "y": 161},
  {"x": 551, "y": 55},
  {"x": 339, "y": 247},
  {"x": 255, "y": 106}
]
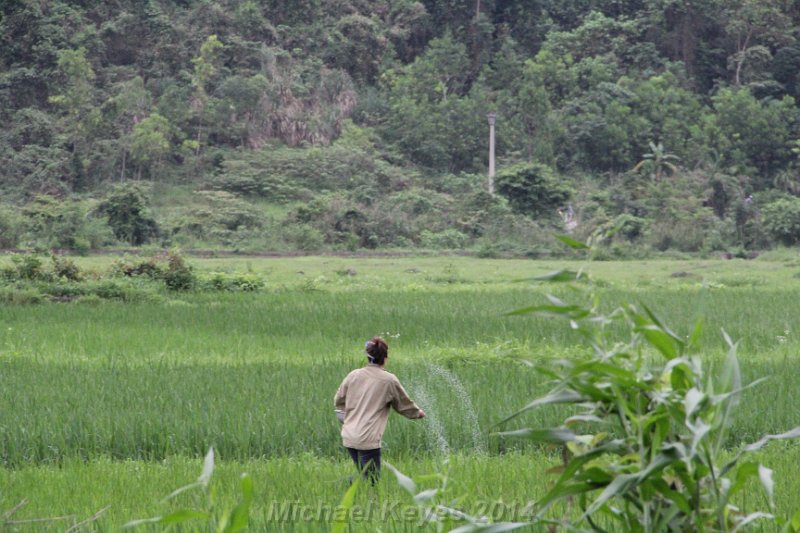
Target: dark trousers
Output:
[{"x": 368, "y": 462}]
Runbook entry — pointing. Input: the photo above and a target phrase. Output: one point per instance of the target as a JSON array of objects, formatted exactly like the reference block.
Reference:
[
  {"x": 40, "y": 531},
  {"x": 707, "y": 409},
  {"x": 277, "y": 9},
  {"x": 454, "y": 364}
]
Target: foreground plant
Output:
[
  {"x": 645, "y": 449},
  {"x": 228, "y": 521}
]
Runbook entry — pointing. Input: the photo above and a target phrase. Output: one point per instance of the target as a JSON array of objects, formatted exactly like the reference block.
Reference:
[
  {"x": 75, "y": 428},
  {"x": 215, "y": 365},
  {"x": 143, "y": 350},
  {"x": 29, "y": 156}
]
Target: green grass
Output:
[{"x": 121, "y": 400}]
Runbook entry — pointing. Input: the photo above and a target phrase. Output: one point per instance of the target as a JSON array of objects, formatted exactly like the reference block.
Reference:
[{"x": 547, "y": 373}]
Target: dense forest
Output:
[{"x": 668, "y": 125}]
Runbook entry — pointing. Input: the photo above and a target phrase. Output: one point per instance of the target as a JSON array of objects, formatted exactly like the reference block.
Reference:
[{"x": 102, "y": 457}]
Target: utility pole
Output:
[{"x": 491, "y": 116}]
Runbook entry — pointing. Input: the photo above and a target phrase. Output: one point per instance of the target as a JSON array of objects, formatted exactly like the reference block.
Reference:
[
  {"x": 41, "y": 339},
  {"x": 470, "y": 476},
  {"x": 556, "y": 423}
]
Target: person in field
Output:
[{"x": 362, "y": 403}]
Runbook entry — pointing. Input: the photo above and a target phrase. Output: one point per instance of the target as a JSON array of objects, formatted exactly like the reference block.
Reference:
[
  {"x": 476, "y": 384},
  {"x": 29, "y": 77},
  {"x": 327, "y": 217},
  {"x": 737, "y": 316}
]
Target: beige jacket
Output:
[{"x": 365, "y": 396}]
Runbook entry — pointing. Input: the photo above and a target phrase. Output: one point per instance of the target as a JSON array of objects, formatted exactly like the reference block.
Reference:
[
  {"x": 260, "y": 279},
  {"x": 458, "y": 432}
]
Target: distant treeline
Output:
[{"x": 673, "y": 123}]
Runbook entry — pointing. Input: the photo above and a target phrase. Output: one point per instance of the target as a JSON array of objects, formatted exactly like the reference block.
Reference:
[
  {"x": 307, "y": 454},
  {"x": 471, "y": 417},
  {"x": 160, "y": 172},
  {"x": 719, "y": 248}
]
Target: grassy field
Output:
[{"x": 110, "y": 404}]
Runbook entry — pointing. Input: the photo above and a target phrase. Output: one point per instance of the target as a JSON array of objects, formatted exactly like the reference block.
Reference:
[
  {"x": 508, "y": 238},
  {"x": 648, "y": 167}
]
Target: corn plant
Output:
[{"x": 644, "y": 449}]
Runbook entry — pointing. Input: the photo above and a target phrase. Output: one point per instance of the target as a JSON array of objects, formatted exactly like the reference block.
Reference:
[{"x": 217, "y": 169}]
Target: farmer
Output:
[{"x": 364, "y": 398}]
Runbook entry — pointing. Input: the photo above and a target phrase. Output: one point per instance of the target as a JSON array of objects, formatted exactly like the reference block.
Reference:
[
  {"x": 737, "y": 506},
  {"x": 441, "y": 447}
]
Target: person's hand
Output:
[{"x": 421, "y": 414}]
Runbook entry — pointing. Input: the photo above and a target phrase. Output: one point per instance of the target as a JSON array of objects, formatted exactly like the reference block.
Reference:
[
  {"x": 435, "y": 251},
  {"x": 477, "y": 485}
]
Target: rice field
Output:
[{"x": 107, "y": 407}]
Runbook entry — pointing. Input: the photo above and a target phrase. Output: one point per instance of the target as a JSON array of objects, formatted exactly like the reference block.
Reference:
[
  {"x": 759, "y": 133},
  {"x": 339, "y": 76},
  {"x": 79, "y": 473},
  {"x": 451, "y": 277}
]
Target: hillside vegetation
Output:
[{"x": 351, "y": 124}]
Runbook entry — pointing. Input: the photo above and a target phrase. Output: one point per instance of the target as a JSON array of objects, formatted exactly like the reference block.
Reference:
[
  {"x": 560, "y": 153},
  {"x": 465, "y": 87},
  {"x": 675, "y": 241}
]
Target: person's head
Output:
[{"x": 377, "y": 350}]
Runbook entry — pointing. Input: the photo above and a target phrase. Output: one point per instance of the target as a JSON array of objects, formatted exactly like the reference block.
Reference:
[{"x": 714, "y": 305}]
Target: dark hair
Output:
[{"x": 377, "y": 350}]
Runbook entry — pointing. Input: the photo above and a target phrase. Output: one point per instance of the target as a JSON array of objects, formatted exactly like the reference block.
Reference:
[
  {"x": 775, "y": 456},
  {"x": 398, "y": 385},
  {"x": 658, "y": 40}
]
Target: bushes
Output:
[
  {"x": 532, "y": 189},
  {"x": 171, "y": 268},
  {"x": 30, "y": 280},
  {"x": 782, "y": 220},
  {"x": 127, "y": 209},
  {"x": 231, "y": 282}
]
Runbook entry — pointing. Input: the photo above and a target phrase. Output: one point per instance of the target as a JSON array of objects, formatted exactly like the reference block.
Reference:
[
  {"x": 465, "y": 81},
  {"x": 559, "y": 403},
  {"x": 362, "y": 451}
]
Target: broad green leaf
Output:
[
  {"x": 565, "y": 490},
  {"x": 565, "y": 487},
  {"x": 182, "y": 489},
  {"x": 569, "y": 311},
  {"x": 752, "y": 517},
  {"x": 791, "y": 434},
  {"x": 618, "y": 487},
  {"x": 559, "y": 276},
  {"x": 339, "y": 524},
  {"x": 572, "y": 243},
  {"x": 582, "y": 418},
  {"x": 561, "y": 396},
  {"x": 550, "y": 435},
  {"x": 674, "y": 496},
  {"x": 406, "y": 482},
  {"x": 731, "y": 381},
  {"x": 425, "y": 495},
  {"x": 697, "y": 332},
  {"x": 490, "y": 528},
  {"x": 765, "y": 476},
  {"x": 660, "y": 340},
  {"x": 744, "y": 473},
  {"x": 699, "y": 431},
  {"x": 796, "y": 521},
  {"x": 208, "y": 468},
  {"x": 141, "y": 521},
  {"x": 596, "y": 475},
  {"x": 183, "y": 515},
  {"x": 692, "y": 400},
  {"x": 677, "y": 338},
  {"x": 622, "y": 376},
  {"x": 240, "y": 516}
]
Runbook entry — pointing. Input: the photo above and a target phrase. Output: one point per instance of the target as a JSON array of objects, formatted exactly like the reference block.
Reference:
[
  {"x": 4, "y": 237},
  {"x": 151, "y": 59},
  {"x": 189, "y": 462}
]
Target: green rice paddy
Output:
[{"x": 109, "y": 406}]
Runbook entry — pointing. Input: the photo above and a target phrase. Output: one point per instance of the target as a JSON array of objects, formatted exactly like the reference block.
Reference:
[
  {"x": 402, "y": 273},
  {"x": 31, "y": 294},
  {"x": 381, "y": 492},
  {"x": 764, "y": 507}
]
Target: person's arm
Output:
[
  {"x": 403, "y": 404},
  {"x": 341, "y": 395}
]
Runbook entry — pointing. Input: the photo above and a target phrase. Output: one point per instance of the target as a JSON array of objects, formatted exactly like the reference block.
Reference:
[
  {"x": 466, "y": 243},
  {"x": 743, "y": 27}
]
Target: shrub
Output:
[
  {"x": 231, "y": 282},
  {"x": 20, "y": 296},
  {"x": 782, "y": 220},
  {"x": 51, "y": 223},
  {"x": 304, "y": 237},
  {"x": 65, "y": 268},
  {"x": 28, "y": 267},
  {"x": 449, "y": 239},
  {"x": 179, "y": 275},
  {"x": 532, "y": 189},
  {"x": 127, "y": 209},
  {"x": 149, "y": 268},
  {"x": 218, "y": 216},
  {"x": 10, "y": 228}
]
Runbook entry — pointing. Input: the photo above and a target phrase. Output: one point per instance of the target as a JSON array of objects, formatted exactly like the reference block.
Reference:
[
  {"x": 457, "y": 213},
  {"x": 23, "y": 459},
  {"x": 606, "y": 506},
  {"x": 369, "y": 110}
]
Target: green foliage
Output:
[
  {"x": 231, "y": 282},
  {"x": 179, "y": 275},
  {"x": 50, "y": 223},
  {"x": 28, "y": 267},
  {"x": 532, "y": 189},
  {"x": 65, "y": 268},
  {"x": 754, "y": 135},
  {"x": 448, "y": 239},
  {"x": 10, "y": 228},
  {"x": 217, "y": 216},
  {"x": 644, "y": 449},
  {"x": 782, "y": 220},
  {"x": 222, "y": 521},
  {"x": 127, "y": 209},
  {"x": 282, "y": 103}
]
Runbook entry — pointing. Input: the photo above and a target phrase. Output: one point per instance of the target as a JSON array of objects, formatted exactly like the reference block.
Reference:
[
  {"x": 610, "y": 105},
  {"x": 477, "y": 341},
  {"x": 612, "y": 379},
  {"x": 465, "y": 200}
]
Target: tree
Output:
[
  {"x": 127, "y": 209},
  {"x": 657, "y": 159},
  {"x": 149, "y": 143},
  {"x": 754, "y": 26},
  {"x": 127, "y": 108},
  {"x": 755, "y": 136},
  {"x": 204, "y": 70},
  {"x": 77, "y": 100},
  {"x": 532, "y": 189}
]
